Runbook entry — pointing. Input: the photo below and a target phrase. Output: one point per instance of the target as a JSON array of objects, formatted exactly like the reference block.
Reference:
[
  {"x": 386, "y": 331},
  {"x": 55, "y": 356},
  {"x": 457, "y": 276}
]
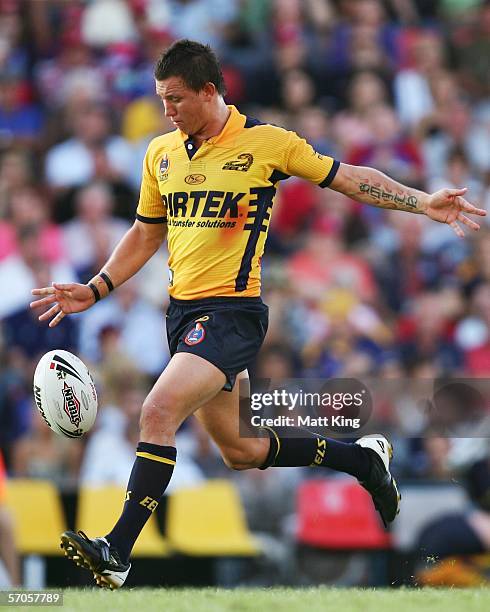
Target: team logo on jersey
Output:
[
  {"x": 195, "y": 179},
  {"x": 242, "y": 163},
  {"x": 163, "y": 170},
  {"x": 71, "y": 405},
  {"x": 196, "y": 335}
]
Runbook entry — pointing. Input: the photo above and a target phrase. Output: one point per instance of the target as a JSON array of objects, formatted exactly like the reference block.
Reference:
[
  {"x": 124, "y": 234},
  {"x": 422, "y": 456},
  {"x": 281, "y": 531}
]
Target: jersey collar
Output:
[{"x": 233, "y": 126}]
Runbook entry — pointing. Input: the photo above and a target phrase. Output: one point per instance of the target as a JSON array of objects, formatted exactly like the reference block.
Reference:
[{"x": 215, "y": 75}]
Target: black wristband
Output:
[
  {"x": 107, "y": 280},
  {"x": 95, "y": 291}
]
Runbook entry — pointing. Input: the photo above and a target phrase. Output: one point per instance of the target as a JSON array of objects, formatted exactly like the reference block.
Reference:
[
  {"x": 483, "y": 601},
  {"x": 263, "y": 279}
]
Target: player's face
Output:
[{"x": 186, "y": 108}]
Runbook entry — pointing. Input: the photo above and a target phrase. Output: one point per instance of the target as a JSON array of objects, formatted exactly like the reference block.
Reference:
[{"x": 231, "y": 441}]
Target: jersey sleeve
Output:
[
  {"x": 302, "y": 160},
  {"x": 150, "y": 206}
]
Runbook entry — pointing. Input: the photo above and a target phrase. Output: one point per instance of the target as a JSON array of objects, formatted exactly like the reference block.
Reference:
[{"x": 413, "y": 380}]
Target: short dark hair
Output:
[{"x": 194, "y": 63}]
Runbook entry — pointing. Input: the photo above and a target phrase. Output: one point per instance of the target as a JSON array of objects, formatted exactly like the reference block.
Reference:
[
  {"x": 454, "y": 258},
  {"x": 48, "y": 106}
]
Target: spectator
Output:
[
  {"x": 389, "y": 149},
  {"x": 29, "y": 207},
  {"x": 323, "y": 265},
  {"x": 14, "y": 57},
  {"x": 15, "y": 172},
  {"x": 366, "y": 90},
  {"x": 313, "y": 125},
  {"x": 45, "y": 455},
  {"x": 451, "y": 537},
  {"x": 457, "y": 128},
  {"x": 29, "y": 337},
  {"x": 15, "y": 402},
  {"x": 9, "y": 559},
  {"x": 117, "y": 438},
  {"x": 426, "y": 335},
  {"x": 297, "y": 91},
  {"x": 473, "y": 50},
  {"x": 139, "y": 326},
  {"x": 459, "y": 172},
  {"x": 19, "y": 271},
  {"x": 204, "y": 19},
  {"x": 412, "y": 85},
  {"x": 21, "y": 121},
  {"x": 364, "y": 41},
  {"x": 92, "y": 152},
  {"x": 93, "y": 233},
  {"x": 71, "y": 79},
  {"x": 473, "y": 333},
  {"x": 433, "y": 459},
  {"x": 106, "y": 22}
]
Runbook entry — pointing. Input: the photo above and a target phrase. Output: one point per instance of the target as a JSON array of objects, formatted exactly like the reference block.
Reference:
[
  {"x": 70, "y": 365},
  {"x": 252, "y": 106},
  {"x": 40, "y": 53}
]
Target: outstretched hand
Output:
[
  {"x": 66, "y": 299},
  {"x": 448, "y": 206}
]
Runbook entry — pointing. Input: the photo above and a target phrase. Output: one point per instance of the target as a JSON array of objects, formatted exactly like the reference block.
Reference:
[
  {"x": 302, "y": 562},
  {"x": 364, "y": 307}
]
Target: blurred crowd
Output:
[{"x": 354, "y": 291}]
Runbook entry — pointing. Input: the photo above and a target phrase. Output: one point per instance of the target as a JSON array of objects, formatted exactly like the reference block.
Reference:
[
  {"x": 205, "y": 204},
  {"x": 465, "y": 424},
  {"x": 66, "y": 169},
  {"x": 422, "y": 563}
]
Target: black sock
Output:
[
  {"x": 149, "y": 478},
  {"x": 315, "y": 450}
]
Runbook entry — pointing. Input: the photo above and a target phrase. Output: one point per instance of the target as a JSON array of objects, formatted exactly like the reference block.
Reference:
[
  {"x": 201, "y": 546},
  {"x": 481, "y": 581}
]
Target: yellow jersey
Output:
[{"x": 217, "y": 201}]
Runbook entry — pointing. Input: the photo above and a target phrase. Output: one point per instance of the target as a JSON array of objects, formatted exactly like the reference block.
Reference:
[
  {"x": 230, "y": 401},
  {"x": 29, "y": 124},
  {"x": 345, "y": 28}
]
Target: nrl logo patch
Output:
[
  {"x": 241, "y": 164},
  {"x": 163, "y": 170}
]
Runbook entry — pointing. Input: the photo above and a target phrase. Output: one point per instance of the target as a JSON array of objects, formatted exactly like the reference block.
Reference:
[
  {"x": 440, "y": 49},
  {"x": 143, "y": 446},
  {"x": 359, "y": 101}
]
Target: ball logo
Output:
[
  {"x": 71, "y": 405},
  {"x": 62, "y": 368},
  {"x": 39, "y": 404},
  {"x": 196, "y": 335}
]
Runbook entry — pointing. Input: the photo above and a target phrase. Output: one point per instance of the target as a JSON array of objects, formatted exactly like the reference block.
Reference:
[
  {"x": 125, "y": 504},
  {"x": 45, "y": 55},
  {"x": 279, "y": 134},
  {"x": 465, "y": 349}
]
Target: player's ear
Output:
[{"x": 209, "y": 90}]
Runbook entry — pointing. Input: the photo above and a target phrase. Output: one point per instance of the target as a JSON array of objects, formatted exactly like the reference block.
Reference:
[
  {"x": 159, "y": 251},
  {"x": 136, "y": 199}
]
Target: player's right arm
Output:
[
  {"x": 136, "y": 247},
  {"x": 370, "y": 186}
]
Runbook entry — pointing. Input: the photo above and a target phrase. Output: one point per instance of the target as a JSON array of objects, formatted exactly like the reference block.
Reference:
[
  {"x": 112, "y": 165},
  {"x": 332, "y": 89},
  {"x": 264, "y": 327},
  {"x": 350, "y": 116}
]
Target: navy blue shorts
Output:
[{"x": 227, "y": 332}]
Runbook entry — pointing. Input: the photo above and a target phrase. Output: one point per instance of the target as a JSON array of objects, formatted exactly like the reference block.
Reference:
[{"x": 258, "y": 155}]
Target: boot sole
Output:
[{"x": 74, "y": 551}]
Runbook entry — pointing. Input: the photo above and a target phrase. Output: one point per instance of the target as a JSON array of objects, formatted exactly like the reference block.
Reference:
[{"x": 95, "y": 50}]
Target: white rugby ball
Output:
[{"x": 65, "y": 393}]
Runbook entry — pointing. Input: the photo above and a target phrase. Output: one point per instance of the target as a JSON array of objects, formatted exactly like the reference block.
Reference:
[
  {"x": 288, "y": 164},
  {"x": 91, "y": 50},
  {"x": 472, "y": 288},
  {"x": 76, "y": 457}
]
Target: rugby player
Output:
[{"x": 208, "y": 187}]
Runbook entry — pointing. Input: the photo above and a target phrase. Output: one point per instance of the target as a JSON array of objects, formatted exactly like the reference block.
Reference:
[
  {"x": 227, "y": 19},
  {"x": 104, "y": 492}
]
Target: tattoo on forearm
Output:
[{"x": 382, "y": 195}]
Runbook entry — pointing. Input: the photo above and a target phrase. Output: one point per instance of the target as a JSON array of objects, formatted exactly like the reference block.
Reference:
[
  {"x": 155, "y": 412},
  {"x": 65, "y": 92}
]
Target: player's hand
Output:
[
  {"x": 449, "y": 206},
  {"x": 65, "y": 299}
]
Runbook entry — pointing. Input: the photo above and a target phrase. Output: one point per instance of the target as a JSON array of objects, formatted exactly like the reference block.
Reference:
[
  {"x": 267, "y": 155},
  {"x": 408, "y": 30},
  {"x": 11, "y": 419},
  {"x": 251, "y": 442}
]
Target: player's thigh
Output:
[
  {"x": 221, "y": 418},
  {"x": 188, "y": 382}
]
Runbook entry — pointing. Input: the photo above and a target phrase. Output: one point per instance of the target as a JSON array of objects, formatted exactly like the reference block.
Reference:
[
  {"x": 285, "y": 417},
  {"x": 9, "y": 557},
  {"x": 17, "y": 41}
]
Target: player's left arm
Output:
[{"x": 370, "y": 186}]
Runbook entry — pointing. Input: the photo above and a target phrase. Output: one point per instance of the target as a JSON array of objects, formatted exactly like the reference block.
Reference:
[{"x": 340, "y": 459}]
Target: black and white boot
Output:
[
  {"x": 380, "y": 483},
  {"x": 97, "y": 556}
]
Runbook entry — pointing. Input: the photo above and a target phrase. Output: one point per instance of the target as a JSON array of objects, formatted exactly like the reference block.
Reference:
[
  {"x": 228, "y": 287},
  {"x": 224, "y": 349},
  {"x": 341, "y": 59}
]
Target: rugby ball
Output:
[{"x": 65, "y": 393}]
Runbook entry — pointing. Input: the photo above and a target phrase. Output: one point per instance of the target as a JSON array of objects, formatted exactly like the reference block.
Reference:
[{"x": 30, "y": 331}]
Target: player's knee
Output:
[
  {"x": 237, "y": 461},
  {"x": 245, "y": 458},
  {"x": 158, "y": 414}
]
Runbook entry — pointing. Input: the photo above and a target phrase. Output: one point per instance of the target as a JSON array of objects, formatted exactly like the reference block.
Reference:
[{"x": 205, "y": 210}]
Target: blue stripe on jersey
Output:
[
  {"x": 331, "y": 175},
  {"x": 277, "y": 175},
  {"x": 190, "y": 147},
  {"x": 151, "y": 219},
  {"x": 252, "y": 122},
  {"x": 263, "y": 202}
]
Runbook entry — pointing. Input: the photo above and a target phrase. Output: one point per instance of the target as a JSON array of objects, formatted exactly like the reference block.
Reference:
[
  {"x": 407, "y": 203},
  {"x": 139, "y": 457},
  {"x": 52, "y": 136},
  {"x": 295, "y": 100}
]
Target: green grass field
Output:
[{"x": 276, "y": 600}]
